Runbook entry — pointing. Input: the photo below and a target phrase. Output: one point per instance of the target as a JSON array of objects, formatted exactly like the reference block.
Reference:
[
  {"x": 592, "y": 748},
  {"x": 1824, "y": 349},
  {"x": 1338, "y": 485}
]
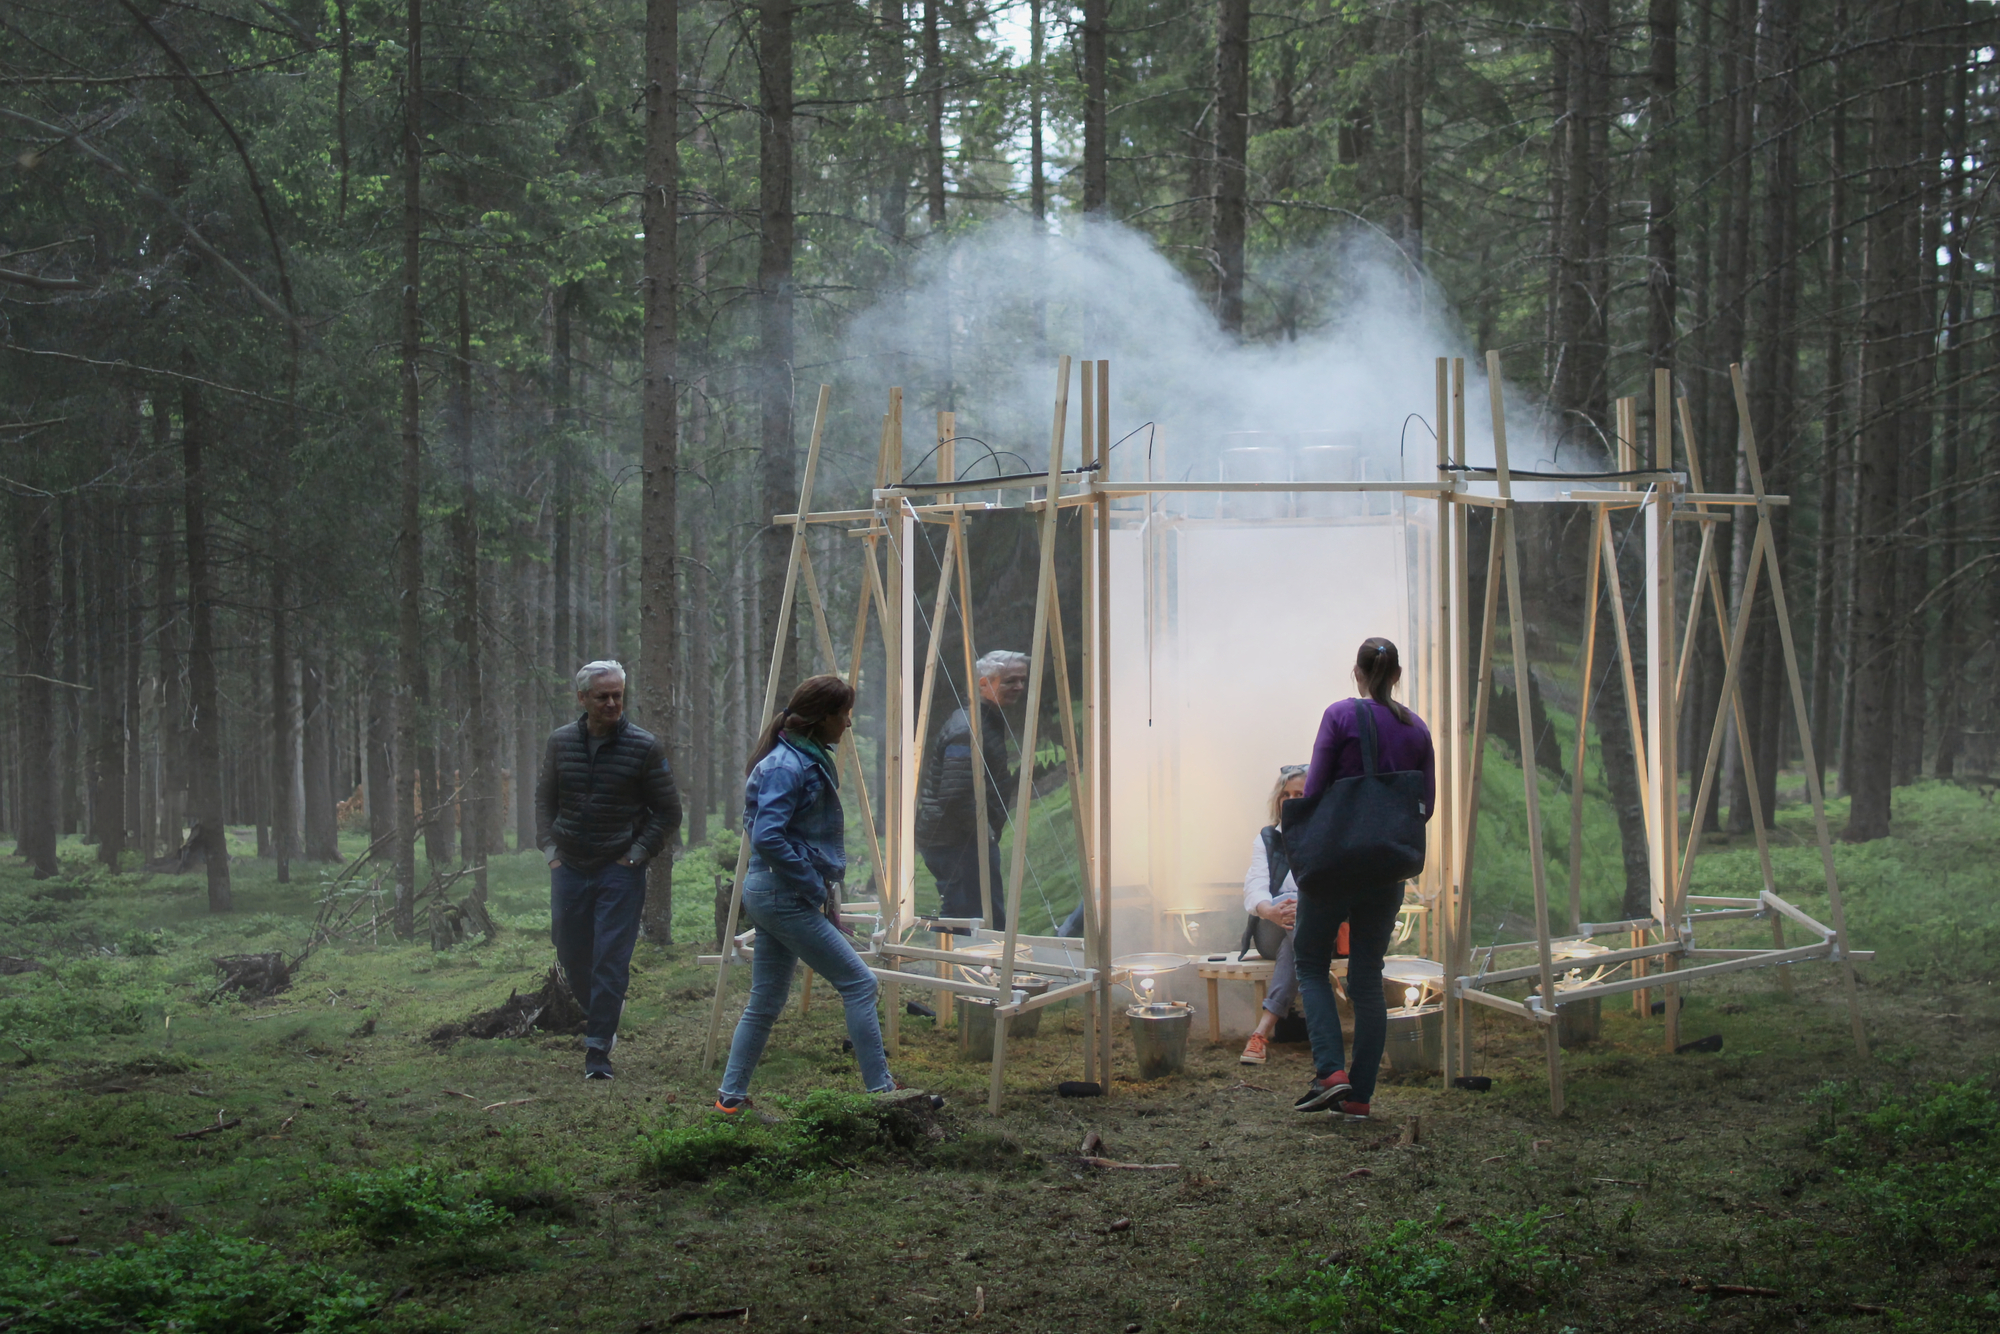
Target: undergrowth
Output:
[
  {"x": 1411, "y": 1279},
  {"x": 825, "y": 1129},
  {"x": 1922, "y": 1168},
  {"x": 195, "y": 1282}
]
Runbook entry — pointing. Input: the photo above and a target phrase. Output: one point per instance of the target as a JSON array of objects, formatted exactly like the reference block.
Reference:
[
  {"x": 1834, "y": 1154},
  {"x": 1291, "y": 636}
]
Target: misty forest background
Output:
[{"x": 364, "y": 367}]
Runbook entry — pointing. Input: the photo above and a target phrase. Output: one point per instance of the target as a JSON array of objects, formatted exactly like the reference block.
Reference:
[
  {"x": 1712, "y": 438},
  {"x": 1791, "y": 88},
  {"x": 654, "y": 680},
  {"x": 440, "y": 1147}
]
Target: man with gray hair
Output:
[
  {"x": 947, "y": 820},
  {"x": 605, "y": 805}
]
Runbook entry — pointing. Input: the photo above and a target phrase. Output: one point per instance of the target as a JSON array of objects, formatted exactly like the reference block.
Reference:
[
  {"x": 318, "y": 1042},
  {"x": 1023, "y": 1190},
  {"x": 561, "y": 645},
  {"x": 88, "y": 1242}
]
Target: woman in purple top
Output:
[{"x": 1402, "y": 744}]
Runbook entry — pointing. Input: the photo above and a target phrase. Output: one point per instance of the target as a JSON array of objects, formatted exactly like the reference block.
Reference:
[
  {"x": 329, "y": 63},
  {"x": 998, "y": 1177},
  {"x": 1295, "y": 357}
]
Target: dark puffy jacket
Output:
[
  {"x": 945, "y": 817},
  {"x": 593, "y": 812}
]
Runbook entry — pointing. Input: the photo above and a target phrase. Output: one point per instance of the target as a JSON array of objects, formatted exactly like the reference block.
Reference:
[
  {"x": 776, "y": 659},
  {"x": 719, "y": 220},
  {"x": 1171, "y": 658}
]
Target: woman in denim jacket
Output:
[{"x": 793, "y": 819}]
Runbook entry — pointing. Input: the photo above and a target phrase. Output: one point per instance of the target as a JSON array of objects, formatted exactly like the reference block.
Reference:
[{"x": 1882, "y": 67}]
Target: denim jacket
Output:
[{"x": 792, "y": 814}]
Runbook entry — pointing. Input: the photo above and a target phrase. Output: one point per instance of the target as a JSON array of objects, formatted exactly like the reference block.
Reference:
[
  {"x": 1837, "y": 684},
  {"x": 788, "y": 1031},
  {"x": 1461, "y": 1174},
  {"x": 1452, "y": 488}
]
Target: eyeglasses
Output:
[{"x": 1291, "y": 770}]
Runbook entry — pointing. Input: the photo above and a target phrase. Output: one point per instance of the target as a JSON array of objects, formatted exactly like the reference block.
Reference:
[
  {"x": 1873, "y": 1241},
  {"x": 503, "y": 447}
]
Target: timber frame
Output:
[{"x": 1459, "y": 678}]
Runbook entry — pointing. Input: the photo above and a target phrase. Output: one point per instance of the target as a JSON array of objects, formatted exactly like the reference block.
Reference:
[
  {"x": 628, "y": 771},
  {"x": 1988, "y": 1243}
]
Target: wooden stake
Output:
[
  {"x": 1101, "y": 617},
  {"x": 1444, "y": 733},
  {"x": 1024, "y": 790},
  {"x": 770, "y": 704},
  {"x": 981, "y": 824},
  {"x": 1597, "y": 523},
  {"x": 1518, "y": 634},
  {"x": 1461, "y": 646}
]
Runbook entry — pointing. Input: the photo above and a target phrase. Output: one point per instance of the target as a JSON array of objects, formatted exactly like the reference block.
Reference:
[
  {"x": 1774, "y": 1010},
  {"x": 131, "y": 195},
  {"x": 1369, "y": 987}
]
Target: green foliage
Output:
[
  {"x": 1410, "y": 1279},
  {"x": 824, "y": 1128},
  {"x": 193, "y": 1282},
  {"x": 411, "y": 1205},
  {"x": 1922, "y": 1168}
]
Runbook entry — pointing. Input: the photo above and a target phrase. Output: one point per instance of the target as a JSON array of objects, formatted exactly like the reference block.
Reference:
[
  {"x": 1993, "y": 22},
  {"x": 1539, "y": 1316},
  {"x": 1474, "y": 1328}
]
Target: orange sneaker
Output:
[
  {"x": 1256, "y": 1049},
  {"x": 731, "y": 1106}
]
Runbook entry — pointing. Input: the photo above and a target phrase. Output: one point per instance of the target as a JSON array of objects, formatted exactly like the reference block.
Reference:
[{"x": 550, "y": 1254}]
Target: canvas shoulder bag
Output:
[{"x": 1360, "y": 831}]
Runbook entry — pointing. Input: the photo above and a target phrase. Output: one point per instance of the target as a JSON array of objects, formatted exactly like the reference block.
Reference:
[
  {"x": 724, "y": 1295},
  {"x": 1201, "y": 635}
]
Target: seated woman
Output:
[{"x": 1271, "y": 896}]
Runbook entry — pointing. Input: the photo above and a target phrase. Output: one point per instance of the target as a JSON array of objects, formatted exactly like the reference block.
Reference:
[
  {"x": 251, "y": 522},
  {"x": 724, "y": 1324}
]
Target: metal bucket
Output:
[
  {"x": 1160, "y": 1036},
  {"x": 1577, "y": 1022},
  {"x": 975, "y": 1020},
  {"x": 1415, "y": 1044}
]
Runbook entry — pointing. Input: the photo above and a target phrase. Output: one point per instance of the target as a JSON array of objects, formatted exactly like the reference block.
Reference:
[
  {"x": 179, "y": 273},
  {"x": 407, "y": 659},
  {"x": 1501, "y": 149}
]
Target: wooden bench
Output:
[{"x": 1233, "y": 967}]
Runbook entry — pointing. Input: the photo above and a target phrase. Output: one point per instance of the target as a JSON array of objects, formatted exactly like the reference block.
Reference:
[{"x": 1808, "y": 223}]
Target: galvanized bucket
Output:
[
  {"x": 1160, "y": 1036},
  {"x": 975, "y": 1020},
  {"x": 1415, "y": 1044}
]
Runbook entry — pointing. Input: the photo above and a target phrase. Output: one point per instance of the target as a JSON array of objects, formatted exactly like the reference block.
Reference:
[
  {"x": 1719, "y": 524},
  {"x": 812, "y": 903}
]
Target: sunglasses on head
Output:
[{"x": 1291, "y": 770}]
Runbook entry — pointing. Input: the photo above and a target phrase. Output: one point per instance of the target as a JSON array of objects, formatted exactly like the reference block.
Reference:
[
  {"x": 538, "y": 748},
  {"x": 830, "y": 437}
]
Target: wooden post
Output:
[
  {"x": 1640, "y": 748},
  {"x": 982, "y": 826},
  {"x": 1597, "y": 523},
  {"x": 1102, "y": 787},
  {"x": 1461, "y": 647},
  {"x": 1444, "y": 730},
  {"x": 846, "y": 754},
  {"x": 1664, "y": 770},
  {"x": 1518, "y": 634},
  {"x": 895, "y": 768},
  {"x": 1024, "y": 790},
  {"x": 1802, "y": 719},
  {"x": 947, "y": 455},
  {"x": 770, "y": 703}
]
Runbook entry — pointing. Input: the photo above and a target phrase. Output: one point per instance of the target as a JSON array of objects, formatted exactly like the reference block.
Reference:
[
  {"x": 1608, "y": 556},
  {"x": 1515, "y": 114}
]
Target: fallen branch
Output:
[
  {"x": 456, "y": 1094},
  {"x": 1730, "y": 1289},
  {"x": 1131, "y": 1167},
  {"x": 1357, "y": 1172},
  {"x": 1617, "y": 1181},
  {"x": 1092, "y": 1142},
  {"x": 511, "y": 1102},
  {"x": 220, "y": 1124},
  {"x": 1244, "y": 1084}
]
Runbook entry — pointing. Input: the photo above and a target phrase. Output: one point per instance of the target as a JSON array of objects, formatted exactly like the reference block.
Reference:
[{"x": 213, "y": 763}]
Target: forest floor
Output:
[{"x": 370, "y": 1178}]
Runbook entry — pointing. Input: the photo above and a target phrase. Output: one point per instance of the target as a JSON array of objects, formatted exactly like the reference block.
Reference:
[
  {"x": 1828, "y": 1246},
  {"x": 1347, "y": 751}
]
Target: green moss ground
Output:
[{"x": 1666, "y": 1170}]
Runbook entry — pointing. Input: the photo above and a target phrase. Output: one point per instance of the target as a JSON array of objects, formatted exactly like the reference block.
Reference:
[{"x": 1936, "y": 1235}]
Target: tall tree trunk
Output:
[
  {"x": 478, "y": 782},
  {"x": 322, "y": 818},
  {"x": 70, "y": 745},
  {"x": 114, "y": 597},
  {"x": 1913, "y": 552},
  {"x": 529, "y": 709},
  {"x": 1773, "y": 378},
  {"x": 777, "y": 467},
  {"x": 206, "y": 787},
  {"x": 559, "y": 399},
  {"x": 1832, "y": 551},
  {"x": 1228, "y": 218},
  {"x": 1662, "y": 263},
  {"x": 133, "y": 754},
  {"x": 413, "y": 687},
  {"x": 1415, "y": 79},
  {"x": 1951, "y": 614},
  {"x": 34, "y": 692},
  {"x": 173, "y": 743},
  {"x": 1890, "y": 359},
  {"x": 1038, "y": 189},
  {"x": 934, "y": 176},
  {"x": 659, "y": 650},
  {"x": 1731, "y": 317},
  {"x": 1096, "y": 107},
  {"x": 284, "y": 821},
  {"x": 378, "y": 766},
  {"x": 700, "y": 648}
]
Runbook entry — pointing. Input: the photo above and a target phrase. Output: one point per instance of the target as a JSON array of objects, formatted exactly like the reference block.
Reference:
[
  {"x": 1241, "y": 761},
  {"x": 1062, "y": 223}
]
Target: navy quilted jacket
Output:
[{"x": 591, "y": 812}]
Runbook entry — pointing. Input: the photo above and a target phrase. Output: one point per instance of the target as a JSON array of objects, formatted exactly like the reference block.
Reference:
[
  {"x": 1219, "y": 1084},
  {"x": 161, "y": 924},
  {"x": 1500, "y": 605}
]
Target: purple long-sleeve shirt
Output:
[{"x": 1399, "y": 747}]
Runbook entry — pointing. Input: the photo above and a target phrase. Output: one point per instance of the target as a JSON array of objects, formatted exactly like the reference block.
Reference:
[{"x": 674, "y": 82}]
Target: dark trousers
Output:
[
  {"x": 1371, "y": 914},
  {"x": 594, "y": 921},
  {"x": 956, "y": 870}
]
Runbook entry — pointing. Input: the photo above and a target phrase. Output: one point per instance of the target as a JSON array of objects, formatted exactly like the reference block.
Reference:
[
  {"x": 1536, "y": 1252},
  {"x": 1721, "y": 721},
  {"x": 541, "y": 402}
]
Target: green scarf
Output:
[{"x": 818, "y": 752}]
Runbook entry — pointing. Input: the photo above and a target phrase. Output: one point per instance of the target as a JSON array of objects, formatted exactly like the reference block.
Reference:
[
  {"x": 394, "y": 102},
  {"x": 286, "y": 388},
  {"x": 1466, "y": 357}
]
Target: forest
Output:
[{"x": 367, "y": 367}]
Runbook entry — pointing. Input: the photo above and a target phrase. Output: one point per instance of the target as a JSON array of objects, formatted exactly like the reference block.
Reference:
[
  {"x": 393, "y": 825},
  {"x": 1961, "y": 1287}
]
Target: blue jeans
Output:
[
  {"x": 956, "y": 870},
  {"x": 594, "y": 922},
  {"x": 1371, "y": 914},
  {"x": 791, "y": 930}
]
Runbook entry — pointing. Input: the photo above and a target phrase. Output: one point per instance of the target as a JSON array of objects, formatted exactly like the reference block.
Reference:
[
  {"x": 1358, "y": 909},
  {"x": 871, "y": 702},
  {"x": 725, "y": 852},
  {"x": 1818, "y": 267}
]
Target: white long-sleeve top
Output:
[{"x": 1257, "y": 880}]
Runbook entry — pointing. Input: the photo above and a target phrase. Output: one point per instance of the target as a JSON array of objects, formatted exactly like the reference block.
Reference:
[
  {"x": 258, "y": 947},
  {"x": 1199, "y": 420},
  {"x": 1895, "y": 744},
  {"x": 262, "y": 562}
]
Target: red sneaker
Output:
[{"x": 1350, "y": 1111}]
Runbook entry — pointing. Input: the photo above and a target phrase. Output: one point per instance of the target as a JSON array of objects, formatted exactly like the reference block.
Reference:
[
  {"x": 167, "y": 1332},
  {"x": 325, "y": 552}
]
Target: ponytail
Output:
[
  {"x": 1378, "y": 669},
  {"x": 817, "y": 699}
]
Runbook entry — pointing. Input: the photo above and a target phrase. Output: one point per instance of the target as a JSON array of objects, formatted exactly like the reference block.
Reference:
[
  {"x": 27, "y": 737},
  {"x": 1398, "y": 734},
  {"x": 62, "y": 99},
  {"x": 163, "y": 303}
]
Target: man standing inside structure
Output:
[
  {"x": 605, "y": 805},
  {"x": 947, "y": 821}
]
